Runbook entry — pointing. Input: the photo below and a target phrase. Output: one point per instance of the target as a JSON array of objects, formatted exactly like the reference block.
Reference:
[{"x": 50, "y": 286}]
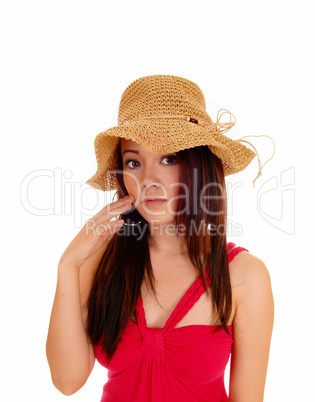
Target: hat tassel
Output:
[
  {"x": 223, "y": 127},
  {"x": 259, "y": 163}
]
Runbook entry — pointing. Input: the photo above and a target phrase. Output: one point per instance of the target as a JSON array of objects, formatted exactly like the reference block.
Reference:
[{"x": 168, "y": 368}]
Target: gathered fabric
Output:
[{"x": 170, "y": 364}]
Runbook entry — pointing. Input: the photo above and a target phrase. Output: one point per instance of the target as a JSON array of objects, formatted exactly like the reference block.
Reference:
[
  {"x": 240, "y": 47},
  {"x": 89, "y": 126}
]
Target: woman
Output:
[{"x": 161, "y": 299}]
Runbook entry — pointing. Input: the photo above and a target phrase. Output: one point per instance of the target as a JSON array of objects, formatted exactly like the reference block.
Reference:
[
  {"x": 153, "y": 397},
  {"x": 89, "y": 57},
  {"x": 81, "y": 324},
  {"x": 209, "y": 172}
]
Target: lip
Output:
[
  {"x": 153, "y": 197},
  {"x": 156, "y": 201}
]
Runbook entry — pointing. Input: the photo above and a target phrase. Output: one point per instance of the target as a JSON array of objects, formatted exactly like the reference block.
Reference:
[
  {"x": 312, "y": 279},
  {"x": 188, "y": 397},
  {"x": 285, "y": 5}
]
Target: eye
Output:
[
  {"x": 171, "y": 158},
  {"x": 130, "y": 166}
]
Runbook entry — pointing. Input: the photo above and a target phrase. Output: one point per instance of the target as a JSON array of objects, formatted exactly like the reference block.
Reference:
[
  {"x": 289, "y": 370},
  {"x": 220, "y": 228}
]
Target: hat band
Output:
[
  {"x": 188, "y": 118},
  {"x": 221, "y": 127}
]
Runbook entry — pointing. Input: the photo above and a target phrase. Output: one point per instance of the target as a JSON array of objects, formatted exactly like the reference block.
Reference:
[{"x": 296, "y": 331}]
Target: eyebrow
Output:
[
  {"x": 131, "y": 150},
  {"x": 137, "y": 152}
]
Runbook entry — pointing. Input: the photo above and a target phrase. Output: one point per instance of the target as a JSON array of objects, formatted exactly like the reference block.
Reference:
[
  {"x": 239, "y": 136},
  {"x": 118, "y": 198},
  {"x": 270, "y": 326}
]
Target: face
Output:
[{"x": 151, "y": 175}]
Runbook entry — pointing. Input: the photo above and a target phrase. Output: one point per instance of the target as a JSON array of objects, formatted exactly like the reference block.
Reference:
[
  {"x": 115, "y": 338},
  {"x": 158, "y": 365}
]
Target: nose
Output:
[
  {"x": 150, "y": 179},
  {"x": 148, "y": 184}
]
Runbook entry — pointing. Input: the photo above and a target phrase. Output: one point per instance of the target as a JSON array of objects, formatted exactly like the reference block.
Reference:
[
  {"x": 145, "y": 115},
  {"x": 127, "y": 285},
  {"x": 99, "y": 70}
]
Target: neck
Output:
[{"x": 167, "y": 242}]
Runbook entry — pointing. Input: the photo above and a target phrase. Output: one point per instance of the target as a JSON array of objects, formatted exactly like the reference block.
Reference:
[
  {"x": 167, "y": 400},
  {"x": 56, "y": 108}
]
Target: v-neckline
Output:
[{"x": 190, "y": 292}]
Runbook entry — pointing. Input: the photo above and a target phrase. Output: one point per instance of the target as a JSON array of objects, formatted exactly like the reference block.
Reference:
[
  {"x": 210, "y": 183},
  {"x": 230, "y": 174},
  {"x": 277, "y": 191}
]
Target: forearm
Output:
[{"x": 68, "y": 348}]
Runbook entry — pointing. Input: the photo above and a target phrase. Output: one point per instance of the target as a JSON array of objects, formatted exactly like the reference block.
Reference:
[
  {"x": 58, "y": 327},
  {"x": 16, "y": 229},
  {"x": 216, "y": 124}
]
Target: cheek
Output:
[
  {"x": 174, "y": 184},
  {"x": 130, "y": 184}
]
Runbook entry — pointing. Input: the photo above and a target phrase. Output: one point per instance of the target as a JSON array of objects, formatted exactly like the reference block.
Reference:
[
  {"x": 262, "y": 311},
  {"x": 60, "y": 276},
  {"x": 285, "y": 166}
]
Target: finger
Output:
[
  {"x": 114, "y": 207},
  {"x": 128, "y": 198},
  {"x": 105, "y": 217},
  {"x": 108, "y": 228},
  {"x": 113, "y": 210}
]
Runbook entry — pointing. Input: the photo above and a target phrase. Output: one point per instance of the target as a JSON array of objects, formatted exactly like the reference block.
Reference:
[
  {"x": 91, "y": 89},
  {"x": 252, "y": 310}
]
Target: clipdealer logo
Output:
[{"x": 46, "y": 192}]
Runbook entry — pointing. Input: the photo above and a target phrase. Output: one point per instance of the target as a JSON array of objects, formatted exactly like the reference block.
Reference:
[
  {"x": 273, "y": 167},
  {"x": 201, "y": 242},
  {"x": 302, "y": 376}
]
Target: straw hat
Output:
[{"x": 166, "y": 114}]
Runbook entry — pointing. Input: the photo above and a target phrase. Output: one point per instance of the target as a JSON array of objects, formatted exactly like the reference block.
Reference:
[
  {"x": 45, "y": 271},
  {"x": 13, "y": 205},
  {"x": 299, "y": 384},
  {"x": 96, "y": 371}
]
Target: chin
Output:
[{"x": 161, "y": 222}]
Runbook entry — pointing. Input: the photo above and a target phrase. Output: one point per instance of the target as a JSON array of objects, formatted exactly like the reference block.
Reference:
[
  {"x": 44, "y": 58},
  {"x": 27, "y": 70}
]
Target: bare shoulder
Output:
[
  {"x": 246, "y": 269},
  {"x": 252, "y": 326},
  {"x": 250, "y": 281}
]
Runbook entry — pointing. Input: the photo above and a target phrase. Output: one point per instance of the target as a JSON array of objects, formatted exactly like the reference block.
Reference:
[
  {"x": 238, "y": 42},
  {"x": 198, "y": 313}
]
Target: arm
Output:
[
  {"x": 69, "y": 353},
  {"x": 252, "y": 329}
]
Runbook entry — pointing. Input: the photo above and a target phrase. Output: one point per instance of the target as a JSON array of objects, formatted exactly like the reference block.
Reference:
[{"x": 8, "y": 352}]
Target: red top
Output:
[{"x": 169, "y": 364}]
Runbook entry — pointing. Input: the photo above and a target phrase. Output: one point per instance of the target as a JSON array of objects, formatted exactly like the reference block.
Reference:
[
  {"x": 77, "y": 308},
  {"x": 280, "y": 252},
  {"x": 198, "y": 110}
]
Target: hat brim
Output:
[{"x": 165, "y": 136}]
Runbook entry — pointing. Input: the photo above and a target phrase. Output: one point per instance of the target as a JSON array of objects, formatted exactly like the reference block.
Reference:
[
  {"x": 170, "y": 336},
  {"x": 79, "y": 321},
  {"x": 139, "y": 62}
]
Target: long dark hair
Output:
[{"x": 126, "y": 260}]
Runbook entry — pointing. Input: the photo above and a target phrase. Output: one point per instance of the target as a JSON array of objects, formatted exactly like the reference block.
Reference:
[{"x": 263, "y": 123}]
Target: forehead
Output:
[
  {"x": 124, "y": 144},
  {"x": 134, "y": 146}
]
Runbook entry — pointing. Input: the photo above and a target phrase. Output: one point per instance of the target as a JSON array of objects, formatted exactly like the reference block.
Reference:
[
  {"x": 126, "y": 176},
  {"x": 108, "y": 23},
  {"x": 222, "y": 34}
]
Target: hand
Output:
[{"x": 95, "y": 232}]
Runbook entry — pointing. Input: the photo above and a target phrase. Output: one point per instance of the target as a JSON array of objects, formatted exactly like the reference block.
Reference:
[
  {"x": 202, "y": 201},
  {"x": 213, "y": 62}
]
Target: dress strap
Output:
[
  {"x": 142, "y": 323},
  {"x": 192, "y": 295},
  {"x": 233, "y": 250}
]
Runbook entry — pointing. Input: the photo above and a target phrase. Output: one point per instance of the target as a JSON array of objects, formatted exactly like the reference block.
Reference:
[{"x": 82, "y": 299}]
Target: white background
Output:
[{"x": 64, "y": 67}]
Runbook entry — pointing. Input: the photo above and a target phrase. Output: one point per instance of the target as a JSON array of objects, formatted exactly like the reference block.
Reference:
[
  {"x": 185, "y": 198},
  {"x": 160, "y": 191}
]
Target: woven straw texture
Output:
[{"x": 156, "y": 112}]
